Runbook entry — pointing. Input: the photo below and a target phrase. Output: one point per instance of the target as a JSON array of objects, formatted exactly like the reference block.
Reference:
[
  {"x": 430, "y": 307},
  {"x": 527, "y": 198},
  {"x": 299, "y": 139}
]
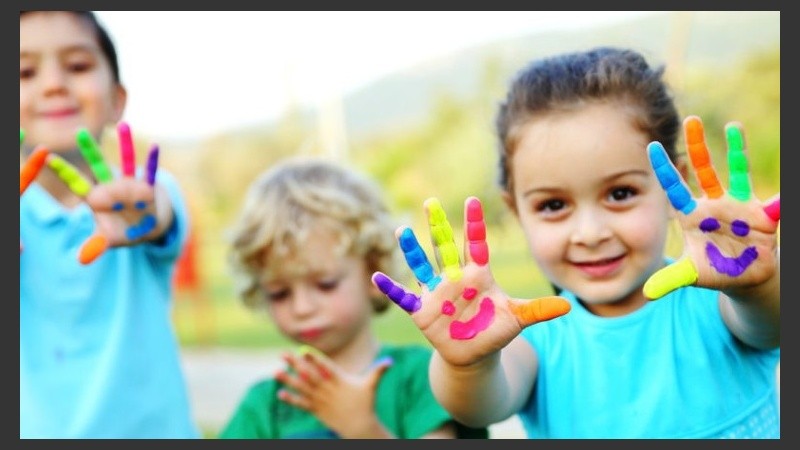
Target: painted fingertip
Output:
[
  {"x": 383, "y": 361},
  {"x": 92, "y": 248},
  {"x": 152, "y": 165},
  {"x": 306, "y": 349}
]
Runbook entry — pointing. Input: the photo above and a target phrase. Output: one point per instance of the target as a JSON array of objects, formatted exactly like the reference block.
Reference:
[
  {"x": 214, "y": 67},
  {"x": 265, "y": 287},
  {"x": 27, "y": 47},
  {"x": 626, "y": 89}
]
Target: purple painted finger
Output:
[
  {"x": 152, "y": 165},
  {"x": 396, "y": 293}
]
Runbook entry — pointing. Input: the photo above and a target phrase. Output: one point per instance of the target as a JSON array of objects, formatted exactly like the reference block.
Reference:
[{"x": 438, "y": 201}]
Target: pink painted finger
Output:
[
  {"x": 476, "y": 232},
  {"x": 152, "y": 165},
  {"x": 127, "y": 155},
  {"x": 773, "y": 208}
]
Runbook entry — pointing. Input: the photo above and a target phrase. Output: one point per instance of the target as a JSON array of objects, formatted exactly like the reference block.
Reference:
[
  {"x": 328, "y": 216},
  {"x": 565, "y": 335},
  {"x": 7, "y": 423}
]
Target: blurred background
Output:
[{"x": 407, "y": 97}]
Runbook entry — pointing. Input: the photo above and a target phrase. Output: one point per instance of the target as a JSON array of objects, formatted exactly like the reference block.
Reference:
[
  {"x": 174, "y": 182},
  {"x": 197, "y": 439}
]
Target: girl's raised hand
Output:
[
  {"x": 730, "y": 237},
  {"x": 124, "y": 207},
  {"x": 462, "y": 311}
]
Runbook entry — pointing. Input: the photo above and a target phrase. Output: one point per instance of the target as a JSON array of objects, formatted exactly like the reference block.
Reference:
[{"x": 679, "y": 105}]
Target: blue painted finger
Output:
[
  {"x": 679, "y": 196},
  {"x": 417, "y": 260}
]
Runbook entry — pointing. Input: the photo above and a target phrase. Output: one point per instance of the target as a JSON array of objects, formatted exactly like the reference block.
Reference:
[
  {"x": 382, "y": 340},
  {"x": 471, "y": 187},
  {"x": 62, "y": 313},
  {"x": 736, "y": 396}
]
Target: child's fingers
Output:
[
  {"x": 152, "y": 165},
  {"x": 70, "y": 175},
  {"x": 409, "y": 301},
  {"x": 443, "y": 239},
  {"x": 294, "y": 399},
  {"x": 126, "y": 149},
  {"x": 91, "y": 153},
  {"x": 92, "y": 248},
  {"x": 676, "y": 275},
  {"x": 376, "y": 370},
  {"x": 318, "y": 361},
  {"x": 678, "y": 193},
  {"x": 700, "y": 158},
  {"x": 475, "y": 248},
  {"x": 33, "y": 165},
  {"x": 306, "y": 372},
  {"x": 416, "y": 258},
  {"x": 739, "y": 176}
]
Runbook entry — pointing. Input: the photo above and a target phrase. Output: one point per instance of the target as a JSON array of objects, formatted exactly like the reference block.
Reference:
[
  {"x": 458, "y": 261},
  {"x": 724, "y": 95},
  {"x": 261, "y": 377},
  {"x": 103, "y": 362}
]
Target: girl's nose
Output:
[{"x": 590, "y": 228}]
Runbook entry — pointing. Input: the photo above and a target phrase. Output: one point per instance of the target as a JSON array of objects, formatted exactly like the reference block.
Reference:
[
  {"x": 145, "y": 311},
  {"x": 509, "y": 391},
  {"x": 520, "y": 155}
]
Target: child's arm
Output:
[
  {"x": 469, "y": 320},
  {"x": 730, "y": 238},
  {"x": 128, "y": 211}
]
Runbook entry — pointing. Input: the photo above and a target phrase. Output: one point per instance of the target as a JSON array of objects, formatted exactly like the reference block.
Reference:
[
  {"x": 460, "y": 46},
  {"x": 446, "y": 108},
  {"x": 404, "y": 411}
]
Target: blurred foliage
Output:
[{"x": 450, "y": 155}]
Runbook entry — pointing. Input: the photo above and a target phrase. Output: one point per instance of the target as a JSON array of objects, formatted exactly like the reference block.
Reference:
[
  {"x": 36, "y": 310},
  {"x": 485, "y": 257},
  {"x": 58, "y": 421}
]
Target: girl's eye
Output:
[
  {"x": 550, "y": 205},
  {"x": 620, "y": 194}
]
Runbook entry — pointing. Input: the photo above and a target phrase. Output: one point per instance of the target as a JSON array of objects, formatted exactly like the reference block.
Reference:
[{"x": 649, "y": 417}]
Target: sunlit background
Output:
[{"x": 407, "y": 97}]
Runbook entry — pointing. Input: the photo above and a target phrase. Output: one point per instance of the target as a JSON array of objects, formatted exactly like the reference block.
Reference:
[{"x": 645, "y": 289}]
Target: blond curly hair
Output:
[{"x": 300, "y": 194}]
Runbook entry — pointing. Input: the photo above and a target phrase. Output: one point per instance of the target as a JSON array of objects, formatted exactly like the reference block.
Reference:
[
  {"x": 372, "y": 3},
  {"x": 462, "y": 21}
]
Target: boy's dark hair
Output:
[{"x": 103, "y": 39}]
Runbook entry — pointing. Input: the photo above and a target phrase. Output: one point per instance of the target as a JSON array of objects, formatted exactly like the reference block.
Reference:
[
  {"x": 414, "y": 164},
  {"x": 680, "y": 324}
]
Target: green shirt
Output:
[{"x": 404, "y": 404}]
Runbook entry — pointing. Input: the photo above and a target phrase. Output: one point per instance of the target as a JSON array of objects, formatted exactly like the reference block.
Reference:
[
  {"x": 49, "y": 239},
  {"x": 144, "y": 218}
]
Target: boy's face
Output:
[
  {"x": 592, "y": 211},
  {"x": 65, "y": 81},
  {"x": 320, "y": 298}
]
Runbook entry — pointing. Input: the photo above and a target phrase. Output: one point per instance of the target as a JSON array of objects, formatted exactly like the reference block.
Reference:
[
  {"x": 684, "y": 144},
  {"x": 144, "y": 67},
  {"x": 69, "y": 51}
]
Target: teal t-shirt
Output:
[
  {"x": 668, "y": 370},
  {"x": 404, "y": 403},
  {"x": 98, "y": 356}
]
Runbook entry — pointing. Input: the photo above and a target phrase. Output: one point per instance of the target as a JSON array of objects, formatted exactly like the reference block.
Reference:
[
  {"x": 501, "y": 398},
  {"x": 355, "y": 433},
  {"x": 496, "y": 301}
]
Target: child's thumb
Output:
[
  {"x": 378, "y": 368},
  {"x": 539, "y": 309}
]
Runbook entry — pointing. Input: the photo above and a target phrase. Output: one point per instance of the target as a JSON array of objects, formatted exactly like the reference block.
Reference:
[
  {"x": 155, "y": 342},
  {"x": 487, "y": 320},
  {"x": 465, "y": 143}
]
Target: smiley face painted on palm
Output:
[{"x": 728, "y": 265}]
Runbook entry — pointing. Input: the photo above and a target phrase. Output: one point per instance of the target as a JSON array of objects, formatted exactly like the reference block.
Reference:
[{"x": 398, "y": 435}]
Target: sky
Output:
[{"x": 192, "y": 74}]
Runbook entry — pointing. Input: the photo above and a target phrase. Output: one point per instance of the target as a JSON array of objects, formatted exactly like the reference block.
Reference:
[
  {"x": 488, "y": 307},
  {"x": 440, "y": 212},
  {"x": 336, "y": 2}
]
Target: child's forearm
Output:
[
  {"x": 479, "y": 394},
  {"x": 753, "y": 314}
]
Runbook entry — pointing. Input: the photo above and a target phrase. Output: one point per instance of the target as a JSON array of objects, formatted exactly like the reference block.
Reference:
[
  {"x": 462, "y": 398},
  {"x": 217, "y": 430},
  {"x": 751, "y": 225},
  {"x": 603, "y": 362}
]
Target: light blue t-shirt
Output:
[
  {"x": 668, "y": 370},
  {"x": 98, "y": 357}
]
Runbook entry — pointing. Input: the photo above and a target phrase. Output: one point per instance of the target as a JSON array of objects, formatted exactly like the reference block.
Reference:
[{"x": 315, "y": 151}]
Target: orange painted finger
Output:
[
  {"x": 92, "y": 248},
  {"x": 700, "y": 157},
  {"x": 540, "y": 309},
  {"x": 31, "y": 168}
]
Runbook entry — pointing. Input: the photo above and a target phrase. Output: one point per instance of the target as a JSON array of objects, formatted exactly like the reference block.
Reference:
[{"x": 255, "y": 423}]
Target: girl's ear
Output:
[{"x": 120, "y": 101}]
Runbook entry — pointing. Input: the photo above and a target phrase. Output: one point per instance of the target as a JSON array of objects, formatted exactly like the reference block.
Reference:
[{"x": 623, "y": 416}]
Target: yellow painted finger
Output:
[
  {"x": 676, "y": 275},
  {"x": 69, "y": 174},
  {"x": 442, "y": 235}
]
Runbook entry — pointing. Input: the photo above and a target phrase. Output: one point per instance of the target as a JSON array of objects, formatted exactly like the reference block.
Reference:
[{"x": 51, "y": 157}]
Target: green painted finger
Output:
[
  {"x": 442, "y": 235},
  {"x": 676, "y": 275},
  {"x": 70, "y": 175},
  {"x": 21, "y": 136},
  {"x": 91, "y": 153},
  {"x": 737, "y": 164}
]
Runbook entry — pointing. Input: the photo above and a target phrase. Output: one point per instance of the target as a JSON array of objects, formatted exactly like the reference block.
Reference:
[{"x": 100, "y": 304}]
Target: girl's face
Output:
[
  {"x": 321, "y": 298},
  {"x": 591, "y": 209},
  {"x": 65, "y": 81}
]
